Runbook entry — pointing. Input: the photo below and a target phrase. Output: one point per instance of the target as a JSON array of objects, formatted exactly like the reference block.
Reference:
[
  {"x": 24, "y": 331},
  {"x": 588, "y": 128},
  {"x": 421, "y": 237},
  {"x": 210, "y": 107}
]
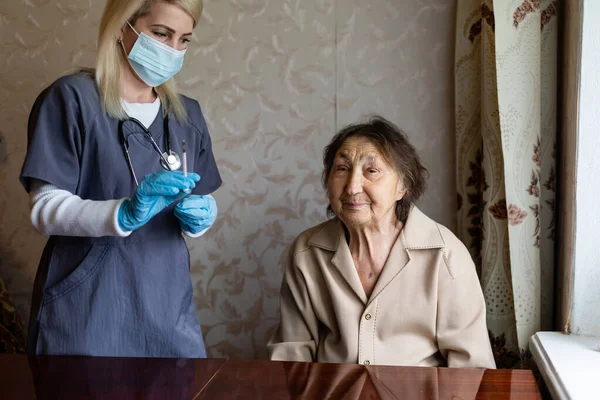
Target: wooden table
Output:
[{"x": 54, "y": 377}]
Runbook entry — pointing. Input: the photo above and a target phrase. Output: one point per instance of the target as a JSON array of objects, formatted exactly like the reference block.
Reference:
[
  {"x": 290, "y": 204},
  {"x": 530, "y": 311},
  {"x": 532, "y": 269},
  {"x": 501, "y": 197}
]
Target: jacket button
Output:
[
  {"x": 367, "y": 362},
  {"x": 368, "y": 316}
]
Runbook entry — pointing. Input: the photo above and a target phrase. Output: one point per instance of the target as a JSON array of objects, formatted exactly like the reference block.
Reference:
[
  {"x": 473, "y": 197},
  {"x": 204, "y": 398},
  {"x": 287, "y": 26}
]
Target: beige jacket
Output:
[{"x": 426, "y": 309}]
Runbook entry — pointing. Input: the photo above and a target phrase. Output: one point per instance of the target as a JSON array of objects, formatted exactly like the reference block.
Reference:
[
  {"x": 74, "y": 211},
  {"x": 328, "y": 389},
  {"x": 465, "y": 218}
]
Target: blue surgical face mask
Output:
[{"x": 154, "y": 62}]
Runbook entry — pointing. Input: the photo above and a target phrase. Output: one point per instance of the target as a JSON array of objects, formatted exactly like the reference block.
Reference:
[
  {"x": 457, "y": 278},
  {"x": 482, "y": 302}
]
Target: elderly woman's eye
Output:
[{"x": 341, "y": 168}]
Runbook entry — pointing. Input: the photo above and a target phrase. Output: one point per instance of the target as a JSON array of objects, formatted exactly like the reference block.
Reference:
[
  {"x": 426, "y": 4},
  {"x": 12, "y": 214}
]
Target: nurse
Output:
[{"x": 103, "y": 174}]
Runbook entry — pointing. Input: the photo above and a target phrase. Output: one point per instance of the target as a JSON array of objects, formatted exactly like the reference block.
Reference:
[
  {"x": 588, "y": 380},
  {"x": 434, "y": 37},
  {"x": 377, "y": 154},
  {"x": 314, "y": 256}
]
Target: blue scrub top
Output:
[{"x": 112, "y": 296}]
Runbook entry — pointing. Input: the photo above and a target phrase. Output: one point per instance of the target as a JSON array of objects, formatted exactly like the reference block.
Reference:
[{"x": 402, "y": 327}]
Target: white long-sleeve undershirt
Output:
[{"x": 56, "y": 211}]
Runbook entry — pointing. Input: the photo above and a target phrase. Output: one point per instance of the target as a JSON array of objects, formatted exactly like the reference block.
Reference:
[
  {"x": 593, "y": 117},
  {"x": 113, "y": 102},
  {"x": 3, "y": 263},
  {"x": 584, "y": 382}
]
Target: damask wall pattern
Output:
[{"x": 275, "y": 80}]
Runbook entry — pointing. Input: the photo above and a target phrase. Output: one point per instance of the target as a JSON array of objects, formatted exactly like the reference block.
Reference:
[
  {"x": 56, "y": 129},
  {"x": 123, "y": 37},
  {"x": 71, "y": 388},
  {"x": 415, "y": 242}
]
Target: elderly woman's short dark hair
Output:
[{"x": 397, "y": 151}]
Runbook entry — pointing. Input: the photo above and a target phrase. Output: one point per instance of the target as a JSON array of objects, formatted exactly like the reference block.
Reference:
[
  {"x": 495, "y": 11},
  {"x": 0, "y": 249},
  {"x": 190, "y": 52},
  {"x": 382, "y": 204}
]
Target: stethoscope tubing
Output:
[{"x": 125, "y": 144}]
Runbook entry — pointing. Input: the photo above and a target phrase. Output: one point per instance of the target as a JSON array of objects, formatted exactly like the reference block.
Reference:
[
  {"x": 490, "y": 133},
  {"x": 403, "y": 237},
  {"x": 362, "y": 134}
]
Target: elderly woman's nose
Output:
[{"x": 354, "y": 183}]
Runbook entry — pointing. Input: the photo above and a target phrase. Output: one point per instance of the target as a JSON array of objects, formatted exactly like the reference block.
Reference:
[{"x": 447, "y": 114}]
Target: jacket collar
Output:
[{"x": 419, "y": 232}]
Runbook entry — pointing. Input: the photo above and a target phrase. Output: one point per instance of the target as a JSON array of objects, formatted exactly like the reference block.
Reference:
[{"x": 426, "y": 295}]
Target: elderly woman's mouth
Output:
[{"x": 354, "y": 205}]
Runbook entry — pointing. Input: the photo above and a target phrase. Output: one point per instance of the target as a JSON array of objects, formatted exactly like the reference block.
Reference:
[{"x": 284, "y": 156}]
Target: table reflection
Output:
[
  {"x": 118, "y": 378},
  {"x": 56, "y": 377},
  {"x": 311, "y": 381}
]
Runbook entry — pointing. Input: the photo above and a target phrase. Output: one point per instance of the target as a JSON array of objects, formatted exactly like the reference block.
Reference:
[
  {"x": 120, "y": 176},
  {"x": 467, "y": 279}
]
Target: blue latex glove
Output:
[
  {"x": 155, "y": 192},
  {"x": 196, "y": 213}
]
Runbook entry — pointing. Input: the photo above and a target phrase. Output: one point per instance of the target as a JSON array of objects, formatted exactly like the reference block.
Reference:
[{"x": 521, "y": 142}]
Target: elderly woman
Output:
[{"x": 381, "y": 283}]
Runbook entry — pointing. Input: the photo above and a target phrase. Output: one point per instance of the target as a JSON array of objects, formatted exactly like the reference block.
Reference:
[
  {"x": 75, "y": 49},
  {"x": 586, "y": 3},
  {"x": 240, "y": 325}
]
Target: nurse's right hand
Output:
[{"x": 155, "y": 192}]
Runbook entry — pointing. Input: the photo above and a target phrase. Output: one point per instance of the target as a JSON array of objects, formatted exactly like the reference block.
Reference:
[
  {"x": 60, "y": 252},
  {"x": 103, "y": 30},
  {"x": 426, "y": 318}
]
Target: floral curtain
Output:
[{"x": 505, "y": 113}]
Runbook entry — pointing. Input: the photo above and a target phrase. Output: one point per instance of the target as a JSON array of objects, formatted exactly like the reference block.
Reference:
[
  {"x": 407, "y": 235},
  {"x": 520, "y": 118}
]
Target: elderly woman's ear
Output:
[{"x": 401, "y": 190}]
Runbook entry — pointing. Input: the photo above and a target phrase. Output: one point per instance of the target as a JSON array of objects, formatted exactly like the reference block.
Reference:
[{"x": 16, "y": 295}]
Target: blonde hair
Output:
[{"x": 109, "y": 56}]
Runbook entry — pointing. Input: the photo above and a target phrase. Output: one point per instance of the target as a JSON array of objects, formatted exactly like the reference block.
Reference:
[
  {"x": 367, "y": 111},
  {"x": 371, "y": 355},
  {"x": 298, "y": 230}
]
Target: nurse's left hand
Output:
[{"x": 196, "y": 213}]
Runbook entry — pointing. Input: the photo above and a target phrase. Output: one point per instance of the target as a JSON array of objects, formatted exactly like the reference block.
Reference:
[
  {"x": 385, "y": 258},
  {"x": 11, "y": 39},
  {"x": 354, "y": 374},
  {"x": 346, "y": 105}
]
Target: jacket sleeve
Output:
[
  {"x": 462, "y": 333},
  {"x": 296, "y": 337}
]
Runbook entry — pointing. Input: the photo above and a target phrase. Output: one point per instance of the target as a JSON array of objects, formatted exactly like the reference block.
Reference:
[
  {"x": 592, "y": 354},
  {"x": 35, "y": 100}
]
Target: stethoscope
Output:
[{"x": 169, "y": 160}]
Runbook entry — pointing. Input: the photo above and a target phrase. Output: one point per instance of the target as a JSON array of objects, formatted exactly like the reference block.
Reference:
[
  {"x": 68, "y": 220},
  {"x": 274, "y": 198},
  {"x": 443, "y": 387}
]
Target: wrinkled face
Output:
[
  {"x": 362, "y": 187},
  {"x": 167, "y": 23}
]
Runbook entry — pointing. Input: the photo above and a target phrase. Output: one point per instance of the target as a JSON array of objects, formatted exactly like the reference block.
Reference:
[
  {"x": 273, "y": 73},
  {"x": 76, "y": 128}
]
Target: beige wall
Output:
[{"x": 275, "y": 80}]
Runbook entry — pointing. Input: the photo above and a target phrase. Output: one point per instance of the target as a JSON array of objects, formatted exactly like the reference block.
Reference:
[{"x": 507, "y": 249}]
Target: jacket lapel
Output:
[
  {"x": 398, "y": 258},
  {"x": 419, "y": 233},
  {"x": 342, "y": 259},
  {"x": 331, "y": 237}
]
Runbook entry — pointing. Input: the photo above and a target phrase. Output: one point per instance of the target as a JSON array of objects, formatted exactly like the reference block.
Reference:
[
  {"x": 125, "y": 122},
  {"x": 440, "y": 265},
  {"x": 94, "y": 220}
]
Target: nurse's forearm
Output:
[{"x": 58, "y": 212}]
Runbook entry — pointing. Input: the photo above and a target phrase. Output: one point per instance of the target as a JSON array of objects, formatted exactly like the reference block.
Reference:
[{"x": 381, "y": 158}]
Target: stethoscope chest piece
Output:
[
  {"x": 169, "y": 160},
  {"x": 173, "y": 160}
]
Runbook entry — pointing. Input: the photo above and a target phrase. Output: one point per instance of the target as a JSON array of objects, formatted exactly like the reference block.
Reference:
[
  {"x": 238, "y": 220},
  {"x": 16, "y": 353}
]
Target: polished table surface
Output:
[{"x": 54, "y": 377}]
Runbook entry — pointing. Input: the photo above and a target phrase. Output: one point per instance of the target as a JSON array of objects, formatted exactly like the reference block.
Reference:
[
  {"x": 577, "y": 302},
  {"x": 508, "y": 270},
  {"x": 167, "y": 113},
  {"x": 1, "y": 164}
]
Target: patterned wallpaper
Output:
[{"x": 275, "y": 80}]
